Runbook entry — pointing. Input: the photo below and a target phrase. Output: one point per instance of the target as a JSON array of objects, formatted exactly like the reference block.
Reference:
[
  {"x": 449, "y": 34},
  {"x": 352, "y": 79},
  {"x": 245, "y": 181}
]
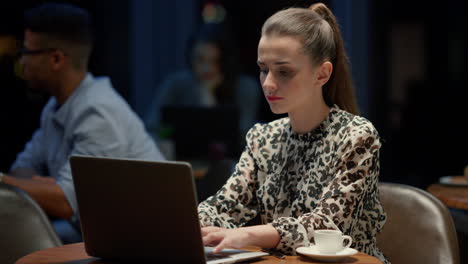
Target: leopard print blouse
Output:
[{"x": 323, "y": 179}]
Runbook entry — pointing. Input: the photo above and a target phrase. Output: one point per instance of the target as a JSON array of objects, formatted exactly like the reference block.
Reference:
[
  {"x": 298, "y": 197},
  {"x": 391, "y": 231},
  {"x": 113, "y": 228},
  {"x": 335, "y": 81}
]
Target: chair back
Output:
[
  {"x": 419, "y": 228},
  {"x": 24, "y": 227}
]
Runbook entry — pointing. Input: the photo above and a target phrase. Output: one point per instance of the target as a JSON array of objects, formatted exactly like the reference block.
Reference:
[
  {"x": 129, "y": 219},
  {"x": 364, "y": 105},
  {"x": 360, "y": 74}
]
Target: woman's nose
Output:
[{"x": 269, "y": 83}]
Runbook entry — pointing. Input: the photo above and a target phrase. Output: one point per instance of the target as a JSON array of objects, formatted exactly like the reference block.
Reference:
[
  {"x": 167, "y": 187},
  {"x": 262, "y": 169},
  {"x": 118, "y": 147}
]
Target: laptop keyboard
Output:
[{"x": 220, "y": 255}]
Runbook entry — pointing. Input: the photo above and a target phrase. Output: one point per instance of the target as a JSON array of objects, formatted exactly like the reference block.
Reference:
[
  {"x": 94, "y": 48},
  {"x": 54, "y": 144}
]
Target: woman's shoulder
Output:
[
  {"x": 269, "y": 128},
  {"x": 182, "y": 75},
  {"x": 247, "y": 84},
  {"x": 348, "y": 123},
  {"x": 247, "y": 79},
  {"x": 267, "y": 134},
  {"x": 353, "y": 130},
  {"x": 178, "y": 83},
  {"x": 265, "y": 142}
]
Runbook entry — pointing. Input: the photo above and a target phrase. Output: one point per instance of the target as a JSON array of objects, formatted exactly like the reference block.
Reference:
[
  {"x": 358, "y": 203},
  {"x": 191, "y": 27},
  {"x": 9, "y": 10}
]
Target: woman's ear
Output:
[{"x": 324, "y": 72}]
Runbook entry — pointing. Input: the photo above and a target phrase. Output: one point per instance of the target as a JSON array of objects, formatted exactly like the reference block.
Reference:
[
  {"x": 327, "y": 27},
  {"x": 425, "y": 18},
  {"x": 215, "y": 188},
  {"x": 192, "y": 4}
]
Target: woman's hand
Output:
[
  {"x": 264, "y": 236},
  {"x": 222, "y": 238}
]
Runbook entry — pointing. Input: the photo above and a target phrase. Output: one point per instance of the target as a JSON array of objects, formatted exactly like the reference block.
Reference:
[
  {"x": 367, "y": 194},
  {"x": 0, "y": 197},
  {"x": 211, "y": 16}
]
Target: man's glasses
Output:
[{"x": 26, "y": 51}]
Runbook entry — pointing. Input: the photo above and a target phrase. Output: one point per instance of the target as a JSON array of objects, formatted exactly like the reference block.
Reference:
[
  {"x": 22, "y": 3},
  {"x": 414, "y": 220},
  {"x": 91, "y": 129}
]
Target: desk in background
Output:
[
  {"x": 455, "y": 197},
  {"x": 75, "y": 253},
  {"x": 452, "y": 196}
]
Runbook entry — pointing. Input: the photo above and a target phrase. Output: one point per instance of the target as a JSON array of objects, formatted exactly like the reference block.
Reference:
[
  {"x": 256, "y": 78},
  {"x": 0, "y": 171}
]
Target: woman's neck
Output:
[{"x": 307, "y": 120}]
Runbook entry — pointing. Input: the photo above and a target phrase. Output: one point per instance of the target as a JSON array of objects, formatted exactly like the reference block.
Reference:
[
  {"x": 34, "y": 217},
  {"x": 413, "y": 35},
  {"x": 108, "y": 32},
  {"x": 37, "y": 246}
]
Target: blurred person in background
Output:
[
  {"x": 214, "y": 78},
  {"x": 84, "y": 115}
]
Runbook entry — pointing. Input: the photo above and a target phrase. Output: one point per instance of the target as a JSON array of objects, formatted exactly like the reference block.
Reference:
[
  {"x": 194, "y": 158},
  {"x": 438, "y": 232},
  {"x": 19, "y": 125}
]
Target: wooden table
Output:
[
  {"x": 451, "y": 196},
  {"x": 75, "y": 254}
]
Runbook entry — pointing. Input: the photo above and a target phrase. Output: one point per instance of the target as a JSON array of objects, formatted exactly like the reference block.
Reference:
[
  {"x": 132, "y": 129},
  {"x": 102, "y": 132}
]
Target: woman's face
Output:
[
  {"x": 289, "y": 80},
  {"x": 205, "y": 62}
]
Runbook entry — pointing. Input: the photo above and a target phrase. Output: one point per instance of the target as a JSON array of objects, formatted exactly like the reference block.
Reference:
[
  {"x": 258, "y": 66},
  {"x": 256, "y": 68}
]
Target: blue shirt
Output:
[{"x": 95, "y": 121}]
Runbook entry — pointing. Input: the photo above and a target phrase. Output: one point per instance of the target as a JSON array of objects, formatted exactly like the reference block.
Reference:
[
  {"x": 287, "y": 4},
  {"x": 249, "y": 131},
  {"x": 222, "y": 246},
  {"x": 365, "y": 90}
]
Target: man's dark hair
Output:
[{"x": 64, "y": 23}]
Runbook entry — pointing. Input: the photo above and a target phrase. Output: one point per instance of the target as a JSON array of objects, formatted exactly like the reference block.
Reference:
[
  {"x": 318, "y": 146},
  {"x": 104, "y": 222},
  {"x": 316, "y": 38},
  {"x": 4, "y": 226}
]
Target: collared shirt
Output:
[{"x": 95, "y": 121}]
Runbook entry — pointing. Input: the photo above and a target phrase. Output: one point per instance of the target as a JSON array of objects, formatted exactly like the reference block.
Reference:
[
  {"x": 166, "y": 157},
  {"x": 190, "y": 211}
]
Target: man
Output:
[{"x": 83, "y": 116}]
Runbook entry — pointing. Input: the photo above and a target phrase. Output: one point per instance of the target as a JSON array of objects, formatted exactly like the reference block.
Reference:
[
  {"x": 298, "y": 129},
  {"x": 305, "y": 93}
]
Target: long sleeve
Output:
[
  {"x": 235, "y": 203},
  {"x": 31, "y": 157},
  {"x": 94, "y": 136},
  {"x": 342, "y": 201}
]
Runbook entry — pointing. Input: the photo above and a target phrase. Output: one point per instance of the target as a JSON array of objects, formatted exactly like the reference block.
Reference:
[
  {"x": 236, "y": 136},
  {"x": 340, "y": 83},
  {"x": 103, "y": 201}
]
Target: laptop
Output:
[
  {"x": 194, "y": 129},
  {"x": 142, "y": 210}
]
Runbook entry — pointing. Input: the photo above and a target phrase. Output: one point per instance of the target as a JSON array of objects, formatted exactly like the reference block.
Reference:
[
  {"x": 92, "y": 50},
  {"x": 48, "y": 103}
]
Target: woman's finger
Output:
[
  {"x": 221, "y": 246},
  {"x": 213, "y": 238}
]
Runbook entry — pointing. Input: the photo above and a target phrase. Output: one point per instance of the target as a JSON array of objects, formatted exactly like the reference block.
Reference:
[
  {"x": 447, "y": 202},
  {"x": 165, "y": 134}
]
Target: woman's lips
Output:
[{"x": 274, "y": 98}]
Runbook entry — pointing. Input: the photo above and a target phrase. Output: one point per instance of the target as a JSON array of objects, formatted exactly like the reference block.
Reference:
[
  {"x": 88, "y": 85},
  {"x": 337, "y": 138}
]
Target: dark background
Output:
[{"x": 408, "y": 57}]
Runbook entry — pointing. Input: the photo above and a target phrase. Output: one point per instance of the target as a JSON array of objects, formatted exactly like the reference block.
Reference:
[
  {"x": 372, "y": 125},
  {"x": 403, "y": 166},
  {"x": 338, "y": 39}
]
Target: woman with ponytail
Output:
[{"x": 315, "y": 169}]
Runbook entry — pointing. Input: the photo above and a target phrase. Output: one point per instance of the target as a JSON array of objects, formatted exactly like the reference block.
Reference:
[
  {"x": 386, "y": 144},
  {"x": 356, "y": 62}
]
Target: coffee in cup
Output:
[{"x": 331, "y": 241}]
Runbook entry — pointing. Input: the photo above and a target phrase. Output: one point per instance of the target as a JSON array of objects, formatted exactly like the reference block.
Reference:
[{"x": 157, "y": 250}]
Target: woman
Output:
[
  {"x": 315, "y": 169},
  {"x": 214, "y": 78}
]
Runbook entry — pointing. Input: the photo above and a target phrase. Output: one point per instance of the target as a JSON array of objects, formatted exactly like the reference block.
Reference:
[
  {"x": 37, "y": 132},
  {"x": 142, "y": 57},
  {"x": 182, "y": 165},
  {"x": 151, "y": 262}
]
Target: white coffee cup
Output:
[{"x": 331, "y": 241}]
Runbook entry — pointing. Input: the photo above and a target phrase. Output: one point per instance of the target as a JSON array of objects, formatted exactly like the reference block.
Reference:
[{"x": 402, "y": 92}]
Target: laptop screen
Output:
[{"x": 136, "y": 211}]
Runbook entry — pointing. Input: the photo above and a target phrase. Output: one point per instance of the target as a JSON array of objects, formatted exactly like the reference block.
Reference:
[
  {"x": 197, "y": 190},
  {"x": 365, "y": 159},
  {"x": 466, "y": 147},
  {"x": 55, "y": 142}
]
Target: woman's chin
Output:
[{"x": 277, "y": 110}]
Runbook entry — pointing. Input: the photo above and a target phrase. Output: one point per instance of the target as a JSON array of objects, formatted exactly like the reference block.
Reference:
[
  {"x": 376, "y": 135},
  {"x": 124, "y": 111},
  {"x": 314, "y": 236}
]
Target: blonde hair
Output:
[{"x": 319, "y": 33}]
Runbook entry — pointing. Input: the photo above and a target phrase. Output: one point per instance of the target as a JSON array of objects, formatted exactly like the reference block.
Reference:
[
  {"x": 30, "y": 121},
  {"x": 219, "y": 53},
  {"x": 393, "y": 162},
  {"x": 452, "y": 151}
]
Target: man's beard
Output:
[
  {"x": 38, "y": 96},
  {"x": 37, "y": 92}
]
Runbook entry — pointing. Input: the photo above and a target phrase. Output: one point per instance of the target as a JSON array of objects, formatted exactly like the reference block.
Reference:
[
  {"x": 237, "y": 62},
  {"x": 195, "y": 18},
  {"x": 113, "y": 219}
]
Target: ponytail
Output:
[{"x": 339, "y": 89}]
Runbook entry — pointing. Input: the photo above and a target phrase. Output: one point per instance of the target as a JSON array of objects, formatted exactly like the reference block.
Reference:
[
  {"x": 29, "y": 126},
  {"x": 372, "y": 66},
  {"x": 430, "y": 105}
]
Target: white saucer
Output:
[
  {"x": 450, "y": 180},
  {"x": 315, "y": 254}
]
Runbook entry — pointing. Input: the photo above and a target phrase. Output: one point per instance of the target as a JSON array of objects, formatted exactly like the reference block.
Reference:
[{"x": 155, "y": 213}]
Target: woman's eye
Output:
[
  {"x": 263, "y": 71},
  {"x": 284, "y": 73}
]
